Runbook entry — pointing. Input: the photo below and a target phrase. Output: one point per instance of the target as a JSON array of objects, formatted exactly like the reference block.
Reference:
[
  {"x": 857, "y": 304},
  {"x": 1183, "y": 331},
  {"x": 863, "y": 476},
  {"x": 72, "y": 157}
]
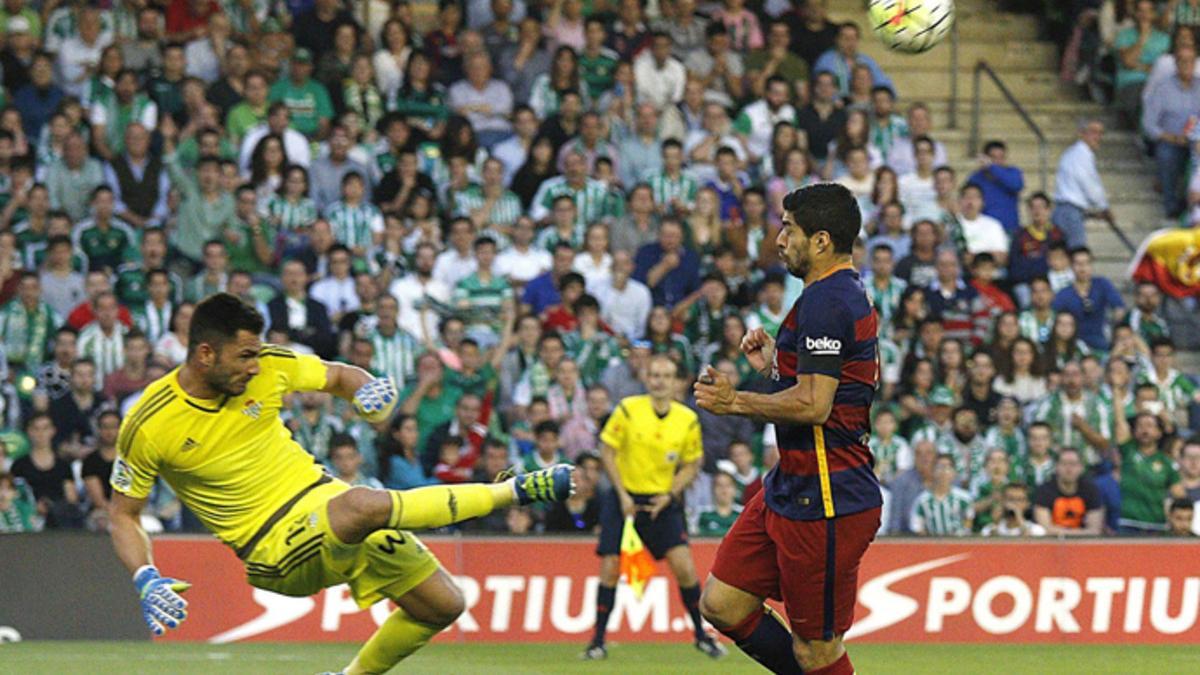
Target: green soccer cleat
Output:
[{"x": 553, "y": 484}]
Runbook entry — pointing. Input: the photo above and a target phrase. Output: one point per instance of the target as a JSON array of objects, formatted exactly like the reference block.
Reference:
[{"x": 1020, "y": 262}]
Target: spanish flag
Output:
[
  {"x": 1170, "y": 259},
  {"x": 637, "y": 565}
]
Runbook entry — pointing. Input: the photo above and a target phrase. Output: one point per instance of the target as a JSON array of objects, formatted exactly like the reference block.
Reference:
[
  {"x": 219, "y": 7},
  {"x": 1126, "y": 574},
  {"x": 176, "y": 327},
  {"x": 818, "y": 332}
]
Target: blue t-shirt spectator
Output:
[
  {"x": 1091, "y": 312},
  {"x": 1001, "y": 187},
  {"x": 675, "y": 284},
  {"x": 541, "y": 293}
]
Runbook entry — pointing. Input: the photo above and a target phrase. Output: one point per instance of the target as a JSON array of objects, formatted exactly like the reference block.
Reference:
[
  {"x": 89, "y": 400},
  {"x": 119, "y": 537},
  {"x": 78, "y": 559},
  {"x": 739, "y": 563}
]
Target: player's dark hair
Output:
[
  {"x": 217, "y": 320},
  {"x": 828, "y": 207}
]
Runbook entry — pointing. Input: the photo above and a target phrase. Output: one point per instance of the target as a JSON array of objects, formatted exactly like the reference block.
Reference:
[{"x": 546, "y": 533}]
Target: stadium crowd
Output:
[{"x": 510, "y": 210}]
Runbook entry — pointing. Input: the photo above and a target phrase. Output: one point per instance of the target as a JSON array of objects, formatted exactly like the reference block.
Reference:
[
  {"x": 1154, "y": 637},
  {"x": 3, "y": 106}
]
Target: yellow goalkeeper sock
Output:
[
  {"x": 431, "y": 507},
  {"x": 398, "y": 637}
]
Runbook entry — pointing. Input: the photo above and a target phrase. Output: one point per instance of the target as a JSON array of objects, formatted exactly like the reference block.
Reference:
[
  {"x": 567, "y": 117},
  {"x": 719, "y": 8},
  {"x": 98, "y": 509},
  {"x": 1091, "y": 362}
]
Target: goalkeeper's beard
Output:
[{"x": 227, "y": 384}]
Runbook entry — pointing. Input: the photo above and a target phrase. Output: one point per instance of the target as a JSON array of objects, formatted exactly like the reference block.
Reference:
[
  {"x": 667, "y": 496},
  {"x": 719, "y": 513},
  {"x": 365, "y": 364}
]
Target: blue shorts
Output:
[{"x": 659, "y": 534}]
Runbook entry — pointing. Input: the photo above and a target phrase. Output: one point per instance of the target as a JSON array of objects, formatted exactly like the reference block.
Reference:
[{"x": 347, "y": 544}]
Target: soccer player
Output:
[
  {"x": 211, "y": 429},
  {"x": 651, "y": 450},
  {"x": 800, "y": 539}
]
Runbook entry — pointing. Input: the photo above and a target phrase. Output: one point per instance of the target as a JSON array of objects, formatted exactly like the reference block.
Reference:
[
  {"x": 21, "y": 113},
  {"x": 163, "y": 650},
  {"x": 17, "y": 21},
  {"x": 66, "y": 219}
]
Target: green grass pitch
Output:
[{"x": 128, "y": 658}]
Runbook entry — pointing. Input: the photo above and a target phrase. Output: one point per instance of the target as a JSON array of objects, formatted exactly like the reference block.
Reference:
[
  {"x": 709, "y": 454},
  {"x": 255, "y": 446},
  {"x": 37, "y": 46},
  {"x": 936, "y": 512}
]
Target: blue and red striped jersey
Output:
[{"x": 826, "y": 471}]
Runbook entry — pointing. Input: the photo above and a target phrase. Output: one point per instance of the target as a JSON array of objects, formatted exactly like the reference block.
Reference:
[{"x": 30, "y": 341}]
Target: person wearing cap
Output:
[
  {"x": 11, "y": 9},
  {"x": 941, "y": 406},
  {"x": 307, "y": 100},
  {"x": 17, "y": 56}
]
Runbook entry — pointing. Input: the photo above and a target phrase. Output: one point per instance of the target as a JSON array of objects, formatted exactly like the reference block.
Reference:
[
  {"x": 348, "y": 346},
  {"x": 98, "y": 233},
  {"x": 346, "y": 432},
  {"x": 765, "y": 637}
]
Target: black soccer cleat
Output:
[{"x": 710, "y": 647}]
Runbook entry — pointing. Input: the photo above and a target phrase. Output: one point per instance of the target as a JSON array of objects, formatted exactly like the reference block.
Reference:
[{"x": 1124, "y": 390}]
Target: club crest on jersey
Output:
[
  {"x": 252, "y": 408},
  {"x": 122, "y": 477},
  {"x": 822, "y": 346}
]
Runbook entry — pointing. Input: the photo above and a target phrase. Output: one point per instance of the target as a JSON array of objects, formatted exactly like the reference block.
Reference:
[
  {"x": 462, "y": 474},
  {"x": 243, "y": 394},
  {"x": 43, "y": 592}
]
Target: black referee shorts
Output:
[{"x": 659, "y": 534}]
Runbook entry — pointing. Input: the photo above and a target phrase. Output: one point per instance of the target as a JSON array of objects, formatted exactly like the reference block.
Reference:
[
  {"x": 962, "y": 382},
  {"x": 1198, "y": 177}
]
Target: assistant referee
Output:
[{"x": 651, "y": 450}]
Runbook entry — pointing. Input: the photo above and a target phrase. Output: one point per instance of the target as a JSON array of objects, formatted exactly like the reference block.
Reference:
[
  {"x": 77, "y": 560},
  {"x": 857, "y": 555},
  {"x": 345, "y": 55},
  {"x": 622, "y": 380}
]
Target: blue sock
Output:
[
  {"x": 766, "y": 640},
  {"x": 606, "y": 596}
]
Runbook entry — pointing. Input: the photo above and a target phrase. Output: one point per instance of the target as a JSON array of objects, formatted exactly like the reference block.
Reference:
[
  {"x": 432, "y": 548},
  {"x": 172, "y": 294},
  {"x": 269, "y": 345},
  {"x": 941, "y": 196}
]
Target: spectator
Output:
[
  {"x": 308, "y": 102},
  {"x": 1014, "y": 522},
  {"x": 909, "y": 485},
  {"x": 305, "y": 319},
  {"x": 463, "y": 428},
  {"x": 48, "y": 475},
  {"x": 486, "y": 102},
  {"x": 718, "y": 66},
  {"x": 546, "y": 447},
  {"x": 777, "y": 59},
  {"x": 1180, "y": 515},
  {"x": 580, "y": 512},
  {"x": 1079, "y": 192},
  {"x": 660, "y": 76},
  {"x": 1000, "y": 185},
  {"x": 27, "y": 323},
  {"x": 902, "y": 156},
  {"x": 976, "y": 232},
  {"x": 1177, "y": 391},
  {"x": 1069, "y": 505},
  {"x": 1091, "y": 300},
  {"x": 346, "y": 462},
  {"x": 17, "y": 514},
  {"x": 957, "y": 305},
  {"x": 1167, "y": 120},
  {"x": 919, "y": 267},
  {"x": 1144, "y": 317},
  {"x": 917, "y": 190},
  {"x": 716, "y": 521},
  {"x": 667, "y": 267},
  {"x": 756, "y": 122},
  {"x": 1139, "y": 46},
  {"x": 62, "y": 286},
  {"x": 399, "y": 462},
  {"x": 72, "y": 180},
  {"x": 844, "y": 56},
  {"x": 1148, "y": 476},
  {"x": 39, "y": 99},
  {"x": 943, "y": 509},
  {"x": 823, "y": 118}
]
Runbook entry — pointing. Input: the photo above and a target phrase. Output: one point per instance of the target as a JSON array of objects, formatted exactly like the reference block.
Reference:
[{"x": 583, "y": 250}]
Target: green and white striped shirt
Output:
[
  {"x": 290, "y": 216},
  {"x": 1057, "y": 411},
  {"x": 1176, "y": 390},
  {"x": 355, "y": 225},
  {"x": 893, "y": 455},
  {"x": 549, "y": 237},
  {"x": 1038, "y": 331},
  {"x": 886, "y": 299},
  {"x": 968, "y": 457},
  {"x": 1013, "y": 444},
  {"x": 108, "y": 351},
  {"x": 505, "y": 210},
  {"x": 395, "y": 355},
  {"x": 153, "y": 321},
  {"x": 591, "y": 200},
  {"x": 945, "y": 516},
  {"x": 666, "y": 188},
  {"x": 478, "y": 302}
]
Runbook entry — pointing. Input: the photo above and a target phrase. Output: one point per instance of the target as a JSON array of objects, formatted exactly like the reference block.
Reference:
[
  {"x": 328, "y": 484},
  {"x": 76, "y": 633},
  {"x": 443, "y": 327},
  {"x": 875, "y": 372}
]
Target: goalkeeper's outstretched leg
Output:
[{"x": 433, "y": 604}]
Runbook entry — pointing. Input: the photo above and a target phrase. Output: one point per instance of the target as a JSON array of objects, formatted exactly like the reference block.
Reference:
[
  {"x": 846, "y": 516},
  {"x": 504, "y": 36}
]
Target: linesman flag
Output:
[
  {"x": 637, "y": 565},
  {"x": 1170, "y": 259}
]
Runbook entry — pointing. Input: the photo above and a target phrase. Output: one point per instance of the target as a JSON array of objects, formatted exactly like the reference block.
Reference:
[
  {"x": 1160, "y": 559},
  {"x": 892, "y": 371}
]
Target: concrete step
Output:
[{"x": 1025, "y": 84}]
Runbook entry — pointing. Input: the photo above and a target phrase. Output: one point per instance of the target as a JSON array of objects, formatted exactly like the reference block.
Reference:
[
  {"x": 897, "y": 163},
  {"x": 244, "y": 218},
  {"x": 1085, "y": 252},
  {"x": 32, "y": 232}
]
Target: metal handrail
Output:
[
  {"x": 953, "y": 108},
  {"x": 973, "y": 144}
]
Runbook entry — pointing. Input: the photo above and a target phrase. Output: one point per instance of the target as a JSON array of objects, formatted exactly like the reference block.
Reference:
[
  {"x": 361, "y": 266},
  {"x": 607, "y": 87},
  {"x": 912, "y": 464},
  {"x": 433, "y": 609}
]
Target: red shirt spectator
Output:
[{"x": 186, "y": 18}]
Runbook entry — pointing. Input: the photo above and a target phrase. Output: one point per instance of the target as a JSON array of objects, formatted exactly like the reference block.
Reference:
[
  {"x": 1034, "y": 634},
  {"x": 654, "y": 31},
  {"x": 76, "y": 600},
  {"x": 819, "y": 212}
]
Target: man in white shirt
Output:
[
  {"x": 660, "y": 77},
  {"x": 522, "y": 261},
  {"x": 458, "y": 261},
  {"x": 756, "y": 123},
  {"x": 1078, "y": 190},
  {"x": 624, "y": 302},
  {"x": 297, "y": 147},
  {"x": 981, "y": 232},
  {"x": 418, "y": 292},
  {"x": 80, "y": 55},
  {"x": 917, "y": 191},
  {"x": 485, "y": 101},
  {"x": 337, "y": 291}
]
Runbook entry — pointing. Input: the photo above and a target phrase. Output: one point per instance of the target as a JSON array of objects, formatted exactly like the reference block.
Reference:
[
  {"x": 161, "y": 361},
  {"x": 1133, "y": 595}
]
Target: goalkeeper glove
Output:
[
  {"x": 162, "y": 607},
  {"x": 375, "y": 400}
]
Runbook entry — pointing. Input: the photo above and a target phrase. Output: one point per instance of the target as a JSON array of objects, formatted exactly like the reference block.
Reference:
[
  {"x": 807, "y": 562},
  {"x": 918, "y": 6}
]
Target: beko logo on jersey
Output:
[{"x": 822, "y": 345}]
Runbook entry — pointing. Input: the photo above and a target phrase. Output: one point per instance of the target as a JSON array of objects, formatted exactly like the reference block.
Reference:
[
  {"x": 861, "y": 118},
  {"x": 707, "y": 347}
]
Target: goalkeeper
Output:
[{"x": 211, "y": 429}]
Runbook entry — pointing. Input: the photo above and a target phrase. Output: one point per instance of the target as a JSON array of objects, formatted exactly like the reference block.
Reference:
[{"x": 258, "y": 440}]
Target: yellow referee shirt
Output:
[
  {"x": 650, "y": 448},
  {"x": 232, "y": 461}
]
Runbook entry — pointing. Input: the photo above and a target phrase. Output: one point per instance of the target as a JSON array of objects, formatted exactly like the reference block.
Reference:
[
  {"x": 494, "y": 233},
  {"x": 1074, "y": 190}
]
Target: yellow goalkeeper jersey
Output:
[
  {"x": 650, "y": 447},
  {"x": 231, "y": 461}
]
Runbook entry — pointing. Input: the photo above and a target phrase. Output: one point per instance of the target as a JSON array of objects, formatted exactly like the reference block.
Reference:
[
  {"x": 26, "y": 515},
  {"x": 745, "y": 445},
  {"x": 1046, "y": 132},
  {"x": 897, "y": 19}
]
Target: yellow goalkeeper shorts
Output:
[{"x": 300, "y": 555}]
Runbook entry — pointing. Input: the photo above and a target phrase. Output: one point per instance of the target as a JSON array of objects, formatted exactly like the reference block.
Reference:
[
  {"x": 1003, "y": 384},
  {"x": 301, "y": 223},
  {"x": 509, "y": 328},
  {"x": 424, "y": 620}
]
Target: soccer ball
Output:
[{"x": 911, "y": 26}]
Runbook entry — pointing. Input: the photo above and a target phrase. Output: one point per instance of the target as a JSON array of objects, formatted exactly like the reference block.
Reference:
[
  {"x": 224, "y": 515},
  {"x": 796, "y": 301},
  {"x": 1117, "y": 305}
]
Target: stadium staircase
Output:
[{"x": 1009, "y": 43}]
